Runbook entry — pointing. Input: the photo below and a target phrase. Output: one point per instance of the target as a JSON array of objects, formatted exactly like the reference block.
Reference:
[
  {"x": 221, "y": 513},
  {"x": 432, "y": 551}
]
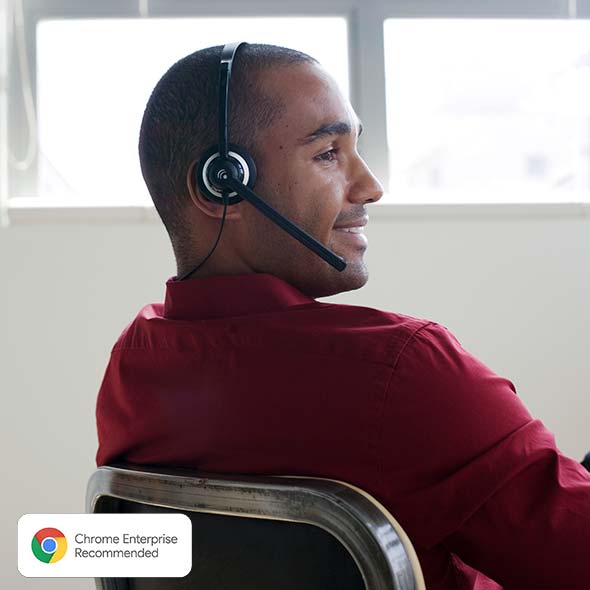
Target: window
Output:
[
  {"x": 91, "y": 101},
  {"x": 488, "y": 110},
  {"x": 462, "y": 101}
]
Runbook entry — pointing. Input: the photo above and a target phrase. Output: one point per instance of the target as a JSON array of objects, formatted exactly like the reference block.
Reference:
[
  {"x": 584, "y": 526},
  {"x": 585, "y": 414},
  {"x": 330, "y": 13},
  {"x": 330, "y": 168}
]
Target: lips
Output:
[{"x": 353, "y": 226}]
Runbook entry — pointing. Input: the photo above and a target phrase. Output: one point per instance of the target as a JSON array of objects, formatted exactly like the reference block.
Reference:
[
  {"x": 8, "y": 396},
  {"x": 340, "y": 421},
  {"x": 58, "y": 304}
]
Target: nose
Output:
[{"x": 366, "y": 188}]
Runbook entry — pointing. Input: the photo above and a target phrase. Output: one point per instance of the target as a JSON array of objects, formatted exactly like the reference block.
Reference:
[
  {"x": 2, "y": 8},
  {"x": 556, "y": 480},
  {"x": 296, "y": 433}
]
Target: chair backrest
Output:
[{"x": 265, "y": 532}]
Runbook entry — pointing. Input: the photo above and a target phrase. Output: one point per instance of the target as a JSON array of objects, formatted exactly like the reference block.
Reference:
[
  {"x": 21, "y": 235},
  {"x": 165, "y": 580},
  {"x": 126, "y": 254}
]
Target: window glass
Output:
[
  {"x": 488, "y": 110},
  {"x": 94, "y": 78}
]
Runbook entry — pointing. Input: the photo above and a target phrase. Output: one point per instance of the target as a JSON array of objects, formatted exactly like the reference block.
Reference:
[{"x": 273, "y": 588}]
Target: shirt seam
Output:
[
  {"x": 189, "y": 351},
  {"x": 381, "y": 424},
  {"x": 255, "y": 314}
]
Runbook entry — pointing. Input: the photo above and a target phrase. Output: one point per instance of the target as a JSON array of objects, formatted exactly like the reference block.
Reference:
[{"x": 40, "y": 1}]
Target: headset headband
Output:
[{"x": 227, "y": 57}]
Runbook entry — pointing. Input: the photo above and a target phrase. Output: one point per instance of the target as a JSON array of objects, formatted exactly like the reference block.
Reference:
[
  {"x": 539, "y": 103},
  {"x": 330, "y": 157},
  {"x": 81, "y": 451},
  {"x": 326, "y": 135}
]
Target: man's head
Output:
[{"x": 302, "y": 133}]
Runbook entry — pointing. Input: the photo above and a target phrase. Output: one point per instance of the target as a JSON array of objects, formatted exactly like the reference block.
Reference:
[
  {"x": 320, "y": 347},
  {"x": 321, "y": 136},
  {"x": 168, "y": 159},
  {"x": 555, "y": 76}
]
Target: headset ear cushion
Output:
[
  {"x": 240, "y": 157},
  {"x": 249, "y": 163}
]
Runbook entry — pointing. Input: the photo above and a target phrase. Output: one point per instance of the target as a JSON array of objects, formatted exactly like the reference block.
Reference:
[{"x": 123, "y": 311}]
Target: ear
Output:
[{"x": 209, "y": 208}]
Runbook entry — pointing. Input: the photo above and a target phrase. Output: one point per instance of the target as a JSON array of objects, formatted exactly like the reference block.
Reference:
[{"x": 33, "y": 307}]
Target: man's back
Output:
[{"x": 245, "y": 374}]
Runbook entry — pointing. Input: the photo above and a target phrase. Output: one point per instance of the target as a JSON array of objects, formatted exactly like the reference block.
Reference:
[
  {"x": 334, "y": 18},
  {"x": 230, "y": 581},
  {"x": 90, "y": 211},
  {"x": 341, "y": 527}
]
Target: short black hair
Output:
[{"x": 180, "y": 121}]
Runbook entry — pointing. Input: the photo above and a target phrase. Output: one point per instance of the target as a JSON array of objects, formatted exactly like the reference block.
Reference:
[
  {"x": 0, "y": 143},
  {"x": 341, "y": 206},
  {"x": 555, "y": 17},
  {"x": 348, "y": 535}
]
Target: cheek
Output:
[
  {"x": 303, "y": 191},
  {"x": 319, "y": 201},
  {"x": 277, "y": 179},
  {"x": 328, "y": 189}
]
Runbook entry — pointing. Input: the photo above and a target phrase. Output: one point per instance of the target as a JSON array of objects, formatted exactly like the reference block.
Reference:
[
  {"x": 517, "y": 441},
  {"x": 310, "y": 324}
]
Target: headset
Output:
[{"x": 226, "y": 174}]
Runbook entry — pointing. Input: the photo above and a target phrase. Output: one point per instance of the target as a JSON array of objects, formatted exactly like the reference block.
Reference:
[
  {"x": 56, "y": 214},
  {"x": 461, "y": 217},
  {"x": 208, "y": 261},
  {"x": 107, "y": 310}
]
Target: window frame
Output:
[{"x": 365, "y": 20}]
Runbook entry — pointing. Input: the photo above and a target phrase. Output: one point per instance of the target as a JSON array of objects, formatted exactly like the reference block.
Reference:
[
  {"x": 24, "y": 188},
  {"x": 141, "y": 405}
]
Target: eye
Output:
[{"x": 328, "y": 156}]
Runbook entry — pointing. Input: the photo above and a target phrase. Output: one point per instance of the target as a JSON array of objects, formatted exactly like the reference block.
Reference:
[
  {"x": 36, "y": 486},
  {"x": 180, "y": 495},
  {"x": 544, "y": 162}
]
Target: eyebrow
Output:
[{"x": 334, "y": 128}]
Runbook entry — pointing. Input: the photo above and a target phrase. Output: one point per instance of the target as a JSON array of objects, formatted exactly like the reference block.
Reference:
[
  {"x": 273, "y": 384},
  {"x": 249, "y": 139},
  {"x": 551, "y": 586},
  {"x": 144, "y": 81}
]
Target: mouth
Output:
[
  {"x": 354, "y": 235},
  {"x": 355, "y": 225},
  {"x": 359, "y": 229}
]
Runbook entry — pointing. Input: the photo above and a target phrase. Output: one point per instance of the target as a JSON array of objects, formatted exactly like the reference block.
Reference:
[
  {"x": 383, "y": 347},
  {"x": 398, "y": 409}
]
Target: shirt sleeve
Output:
[{"x": 477, "y": 474}]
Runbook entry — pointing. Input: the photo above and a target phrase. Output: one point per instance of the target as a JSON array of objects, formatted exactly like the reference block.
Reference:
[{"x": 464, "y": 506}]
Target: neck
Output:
[{"x": 216, "y": 265}]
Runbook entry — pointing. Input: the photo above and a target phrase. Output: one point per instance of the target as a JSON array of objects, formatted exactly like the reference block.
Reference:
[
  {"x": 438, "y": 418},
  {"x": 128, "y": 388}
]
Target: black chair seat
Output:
[{"x": 232, "y": 553}]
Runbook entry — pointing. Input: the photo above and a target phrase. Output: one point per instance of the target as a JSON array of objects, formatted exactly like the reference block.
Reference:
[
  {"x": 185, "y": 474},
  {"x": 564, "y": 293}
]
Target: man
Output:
[{"x": 241, "y": 370}]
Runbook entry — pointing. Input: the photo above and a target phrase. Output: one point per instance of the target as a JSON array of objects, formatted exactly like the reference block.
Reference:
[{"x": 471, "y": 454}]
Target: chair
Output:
[{"x": 264, "y": 532}]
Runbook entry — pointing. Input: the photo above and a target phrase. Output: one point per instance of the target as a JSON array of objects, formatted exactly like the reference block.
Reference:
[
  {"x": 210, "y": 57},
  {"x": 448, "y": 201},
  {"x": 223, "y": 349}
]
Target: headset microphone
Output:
[{"x": 226, "y": 174}]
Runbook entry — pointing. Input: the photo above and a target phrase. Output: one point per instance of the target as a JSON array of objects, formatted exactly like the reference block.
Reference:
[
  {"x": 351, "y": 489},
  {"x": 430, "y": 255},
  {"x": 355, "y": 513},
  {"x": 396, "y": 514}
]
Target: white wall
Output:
[{"x": 514, "y": 290}]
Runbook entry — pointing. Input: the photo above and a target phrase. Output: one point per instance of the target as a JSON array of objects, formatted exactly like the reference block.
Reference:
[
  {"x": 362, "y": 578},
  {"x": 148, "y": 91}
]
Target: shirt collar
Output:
[{"x": 229, "y": 295}]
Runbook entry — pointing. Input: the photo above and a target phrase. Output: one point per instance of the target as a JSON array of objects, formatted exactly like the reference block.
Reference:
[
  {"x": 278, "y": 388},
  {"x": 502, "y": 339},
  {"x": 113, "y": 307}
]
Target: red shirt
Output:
[{"x": 245, "y": 374}]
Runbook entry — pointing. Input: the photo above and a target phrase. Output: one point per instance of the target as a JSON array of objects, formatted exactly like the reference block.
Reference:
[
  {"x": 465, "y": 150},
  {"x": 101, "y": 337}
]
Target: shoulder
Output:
[
  {"x": 134, "y": 333},
  {"x": 460, "y": 392},
  {"x": 353, "y": 330},
  {"x": 436, "y": 348}
]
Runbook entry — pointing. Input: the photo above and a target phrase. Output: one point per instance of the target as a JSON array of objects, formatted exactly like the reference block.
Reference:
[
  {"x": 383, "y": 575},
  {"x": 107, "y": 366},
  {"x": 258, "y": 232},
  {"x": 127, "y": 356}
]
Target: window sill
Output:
[{"x": 34, "y": 211}]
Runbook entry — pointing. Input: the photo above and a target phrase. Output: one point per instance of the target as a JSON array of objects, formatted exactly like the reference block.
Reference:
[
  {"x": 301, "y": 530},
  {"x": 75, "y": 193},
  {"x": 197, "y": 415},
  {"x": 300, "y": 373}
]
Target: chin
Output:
[
  {"x": 356, "y": 279},
  {"x": 333, "y": 282},
  {"x": 316, "y": 278}
]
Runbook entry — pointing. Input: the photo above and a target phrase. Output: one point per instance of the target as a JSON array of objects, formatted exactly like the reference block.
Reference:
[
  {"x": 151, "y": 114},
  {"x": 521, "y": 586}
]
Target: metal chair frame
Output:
[{"x": 377, "y": 543}]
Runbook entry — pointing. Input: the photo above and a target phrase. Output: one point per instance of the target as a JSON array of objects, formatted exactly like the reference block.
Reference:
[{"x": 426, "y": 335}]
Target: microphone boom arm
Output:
[{"x": 302, "y": 236}]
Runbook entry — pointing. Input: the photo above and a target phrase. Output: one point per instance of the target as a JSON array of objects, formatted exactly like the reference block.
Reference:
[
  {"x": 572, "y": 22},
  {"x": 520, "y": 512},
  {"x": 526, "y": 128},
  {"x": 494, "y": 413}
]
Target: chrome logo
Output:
[{"x": 49, "y": 545}]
